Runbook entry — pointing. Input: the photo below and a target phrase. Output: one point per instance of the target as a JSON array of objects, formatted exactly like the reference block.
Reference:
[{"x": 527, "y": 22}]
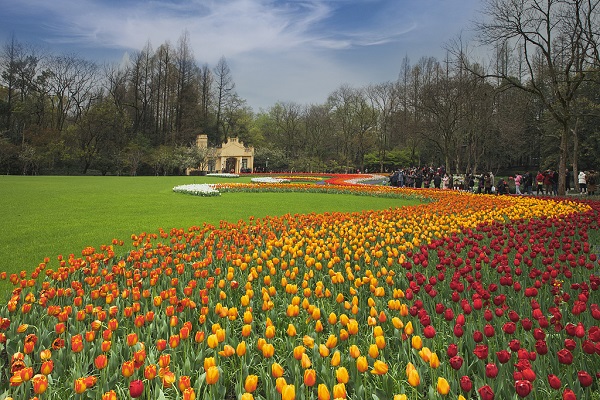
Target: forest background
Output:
[{"x": 531, "y": 103}]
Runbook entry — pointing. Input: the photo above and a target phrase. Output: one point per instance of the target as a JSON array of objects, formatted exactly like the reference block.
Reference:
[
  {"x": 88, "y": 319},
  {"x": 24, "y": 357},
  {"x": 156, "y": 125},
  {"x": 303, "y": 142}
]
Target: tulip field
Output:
[{"x": 462, "y": 297}]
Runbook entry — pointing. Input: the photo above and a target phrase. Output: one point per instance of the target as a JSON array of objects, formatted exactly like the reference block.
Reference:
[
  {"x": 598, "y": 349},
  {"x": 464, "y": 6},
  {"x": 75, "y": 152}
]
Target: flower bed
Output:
[
  {"x": 223, "y": 175},
  {"x": 269, "y": 179},
  {"x": 463, "y": 296},
  {"x": 197, "y": 189}
]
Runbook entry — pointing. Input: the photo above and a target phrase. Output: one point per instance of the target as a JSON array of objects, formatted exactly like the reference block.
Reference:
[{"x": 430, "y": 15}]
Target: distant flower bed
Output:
[
  {"x": 197, "y": 189},
  {"x": 223, "y": 175},
  {"x": 269, "y": 179}
]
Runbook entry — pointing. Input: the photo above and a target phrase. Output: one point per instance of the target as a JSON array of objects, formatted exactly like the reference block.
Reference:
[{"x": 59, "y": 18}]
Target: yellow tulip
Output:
[
  {"x": 251, "y": 383},
  {"x": 336, "y": 359},
  {"x": 400, "y": 397},
  {"x": 323, "y": 392},
  {"x": 362, "y": 364},
  {"x": 379, "y": 368},
  {"x": 416, "y": 342},
  {"x": 341, "y": 375},
  {"x": 212, "y": 375},
  {"x": 434, "y": 361},
  {"x": 443, "y": 387},
  {"x": 276, "y": 370},
  {"x": 288, "y": 392},
  {"x": 413, "y": 378}
]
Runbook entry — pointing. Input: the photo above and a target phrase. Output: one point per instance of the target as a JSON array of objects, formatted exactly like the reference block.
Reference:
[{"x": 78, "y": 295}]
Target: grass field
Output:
[{"x": 44, "y": 216}]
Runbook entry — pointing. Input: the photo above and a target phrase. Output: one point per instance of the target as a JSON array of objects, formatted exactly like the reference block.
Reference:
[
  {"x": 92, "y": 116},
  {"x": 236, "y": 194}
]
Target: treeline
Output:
[{"x": 532, "y": 105}]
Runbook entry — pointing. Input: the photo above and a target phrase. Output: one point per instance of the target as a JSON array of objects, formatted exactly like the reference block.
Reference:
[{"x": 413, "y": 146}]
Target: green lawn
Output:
[{"x": 44, "y": 216}]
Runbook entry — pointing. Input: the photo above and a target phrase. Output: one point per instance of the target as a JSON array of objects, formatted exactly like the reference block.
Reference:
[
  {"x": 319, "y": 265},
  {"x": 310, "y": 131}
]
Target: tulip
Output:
[
  {"x": 150, "y": 372},
  {"x": 491, "y": 370},
  {"x": 339, "y": 391},
  {"x": 486, "y": 393},
  {"x": 280, "y": 383},
  {"x": 288, "y": 392},
  {"x": 136, "y": 388},
  {"x": 379, "y": 368},
  {"x": 110, "y": 395},
  {"x": 362, "y": 365},
  {"x": 523, "y": 387},
  {"x": 80, "y": 385},
  {"x": 209, "y": 362},
  {"x": 323, "y": 392},
  {"x": 276, "y": 370},
  {"x": 443, "y": 387},
  {"x": 190, "y": 394},
  {"x": 466, "y": 384},
  {"x": 456, "y": 362},
  {"x": 568, "y": 394},
  {"x": 554, "y": 381},
  {"x": 310, "y": 377},
  {"x": 184, "y": 382},
  {"x": 127, "y": 368},
  {"x": 413, "y": 378},
  {"x": 251, "y": 383},
  {"x": 434, "y": 361},
  {"x": 585, "y": 378},
  {"x": 40, "y": 383},
  {"x": 212, "y": 375},
  {"x": 341, "y": 375}
]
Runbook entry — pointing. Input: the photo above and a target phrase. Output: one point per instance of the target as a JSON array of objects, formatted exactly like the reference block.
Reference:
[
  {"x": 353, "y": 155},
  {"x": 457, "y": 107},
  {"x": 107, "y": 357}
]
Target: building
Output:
[{"x": 231, "y": 156}]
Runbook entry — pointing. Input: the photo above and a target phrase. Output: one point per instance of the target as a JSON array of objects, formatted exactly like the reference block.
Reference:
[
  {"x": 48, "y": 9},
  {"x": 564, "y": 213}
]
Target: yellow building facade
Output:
[{"x": 231, "y": 156}]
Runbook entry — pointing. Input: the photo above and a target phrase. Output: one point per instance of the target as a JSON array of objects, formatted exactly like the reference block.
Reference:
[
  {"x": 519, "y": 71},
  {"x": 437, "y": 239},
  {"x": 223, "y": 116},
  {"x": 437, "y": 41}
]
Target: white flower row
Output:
[
  {"x": 367, "y": 178},
  {"x": 269, "y": 179},
  {"x": 197, "y": 189},
  {"x": 223, "y": 175}
]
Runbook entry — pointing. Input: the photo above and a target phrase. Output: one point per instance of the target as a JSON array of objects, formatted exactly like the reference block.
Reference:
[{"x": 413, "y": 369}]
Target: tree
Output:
[
  {"x": 556, "y": 40},
  {"x": 225, "y": 92}
]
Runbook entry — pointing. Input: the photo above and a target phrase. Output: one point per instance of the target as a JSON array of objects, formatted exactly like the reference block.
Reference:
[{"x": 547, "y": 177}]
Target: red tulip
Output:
[
  {"x": 136, "y": 388},
  {"x": 503, "y": 356},
  {"x": 429, "y": 331},
  {"x": 456, "y": 362},
  {"x": 509, "y": 328},
  {"x": 541, "y": 347},
  {"x": 486, "y": 393},
  {"x": 466, "y": 384},
  {"x": 565, "y": 357},
  {"x": 584, "y": 378},
  {"x": 452, "y": 350},
  {"x": 488, "y": 330},
  {"x": 523, "y": 387},
  {"x": 481, "y": 351},
  {"x": 491, "y": 370},
  {"x": 568, "y": 394},
  {"x": 554, "y": 381}
]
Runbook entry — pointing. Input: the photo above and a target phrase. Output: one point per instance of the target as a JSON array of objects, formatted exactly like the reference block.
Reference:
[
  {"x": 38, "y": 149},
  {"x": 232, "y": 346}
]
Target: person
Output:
[
  {"x": 487, "y": 184},
  {"x": 540, "y": 182},
  {"x": 567, "y": 181},
  {"x": 437, "y": 180},
  {"x": 554, "y": 180},
  {"x": 548, "y": 182},
  {"x": 527, "y": 182},
  {"x": 591, "y": 180},
  {"x": 518, "y": 179},
  {"x": 445, "y": 181},
  {"x": 502, "y": 186},
  {"x": 582, "y": 182}
]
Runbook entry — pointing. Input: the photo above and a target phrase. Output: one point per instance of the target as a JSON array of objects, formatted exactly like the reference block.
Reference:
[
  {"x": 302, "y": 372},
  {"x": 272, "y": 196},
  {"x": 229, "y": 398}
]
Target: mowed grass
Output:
[{"x": 47, "y": 216}]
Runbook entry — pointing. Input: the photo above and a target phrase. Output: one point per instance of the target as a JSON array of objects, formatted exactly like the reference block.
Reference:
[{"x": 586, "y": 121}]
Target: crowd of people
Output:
[{"x": 528, "y": 183}]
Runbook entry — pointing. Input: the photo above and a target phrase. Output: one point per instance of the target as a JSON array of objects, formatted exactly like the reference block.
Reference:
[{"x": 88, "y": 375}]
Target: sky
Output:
[{"x": 277, "y": 50}]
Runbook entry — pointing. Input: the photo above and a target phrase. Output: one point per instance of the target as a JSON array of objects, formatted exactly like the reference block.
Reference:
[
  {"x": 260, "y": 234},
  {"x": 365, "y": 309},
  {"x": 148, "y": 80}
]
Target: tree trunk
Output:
[{"x": 575, "y": 156}]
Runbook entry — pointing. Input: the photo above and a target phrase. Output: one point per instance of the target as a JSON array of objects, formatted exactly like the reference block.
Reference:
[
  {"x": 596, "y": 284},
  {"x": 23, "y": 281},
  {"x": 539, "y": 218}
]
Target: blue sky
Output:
[{"x": 277, "y": 50}]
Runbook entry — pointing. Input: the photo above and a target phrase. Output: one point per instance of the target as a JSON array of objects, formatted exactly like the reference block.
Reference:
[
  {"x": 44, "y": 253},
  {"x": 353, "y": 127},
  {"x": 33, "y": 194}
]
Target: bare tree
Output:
[
  {"x": 556, "y": 40},
  {"x": 225, "y": 90}
]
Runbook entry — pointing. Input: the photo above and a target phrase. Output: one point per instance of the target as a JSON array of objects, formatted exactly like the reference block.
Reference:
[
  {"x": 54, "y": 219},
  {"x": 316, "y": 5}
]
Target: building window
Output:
[{"x": 244, "y": 163}]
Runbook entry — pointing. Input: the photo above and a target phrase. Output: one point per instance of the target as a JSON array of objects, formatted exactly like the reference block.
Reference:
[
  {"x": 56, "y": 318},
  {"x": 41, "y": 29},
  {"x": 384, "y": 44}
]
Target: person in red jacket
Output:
[{"x": 540, "y": 182}]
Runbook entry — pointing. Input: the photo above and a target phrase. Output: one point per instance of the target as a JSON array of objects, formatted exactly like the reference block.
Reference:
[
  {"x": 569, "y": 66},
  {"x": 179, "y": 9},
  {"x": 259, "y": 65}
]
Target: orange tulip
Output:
[
  {"x": 288, "y": 392},
  {"x": 268, "y": 350},
  {"x": 306, "y": 363},
  {"x": 40, "y": 383},
  {"x": 251, "y": 383},
  {"x": 227, "y": 351},
  {"x": 212, "y": 341},
  {"x": 362, "y": 364},
  {"x": 354, "y": 351},
  {"x": 212, "y": 375},
  {"x": 323, "y": 392},
  {"x": 291, "y": 330},
  {"x": 336, "y": 359},
  {"x": 209, "y": 362},
  {"x": 240, "y": 349},
  {"x": 323, "y": 350},
  {"x": 310, "y": 377},
  {"x": 380, "y": 342},
  {"x": 280, "y": 383},
  {"x": 127, "y": 368},
  {"x": 150, "y": 371},
  {"x": 164, "y": 360},
  {"x": 276, "y": 370},
  {"x": 298, "y": 351},
  {"x": 247, "y": 396},
  {"x": 184, "y": 382},
  {"x": 379, "y": 368},
  {"x": 341, "y": 375},
  {"x": 47, "y": 367},
  {"x": 339, "y": 391},
  {"x": 413, "y": 378},
  {"x": 101, "y": 361},
  {"x": 189, "y": 394},
  {"x": 373, "y": 351},
  {"x": 110, "y": 395},
  {"x": 308, "y": 341},
  {"x": 80, "y": 386}
]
